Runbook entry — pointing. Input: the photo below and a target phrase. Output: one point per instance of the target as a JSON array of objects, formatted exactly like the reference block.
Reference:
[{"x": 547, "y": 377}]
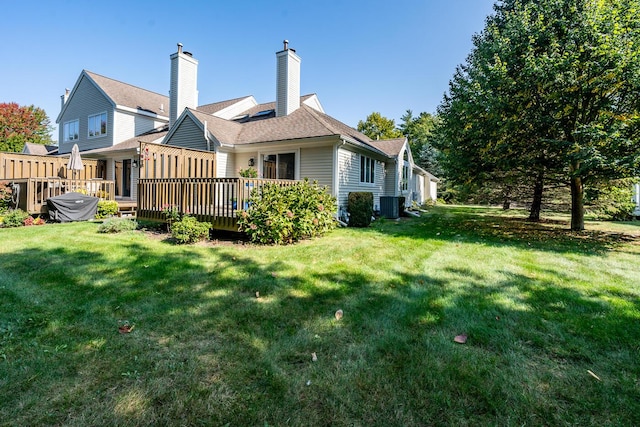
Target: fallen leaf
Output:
[
  {"x": 460, "y": 339},
  {"x": 314, "y": 357},
  {"x": 593, "y": 375},
  {"x": 125, "y": 329},
  {"x": 339, "y": 314}
]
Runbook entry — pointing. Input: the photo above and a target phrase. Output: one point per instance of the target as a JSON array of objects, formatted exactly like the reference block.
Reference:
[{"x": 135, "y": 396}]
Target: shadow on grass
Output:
[
  {"x": 206, "y": 349},
  {"x": 486, "y": 226}
]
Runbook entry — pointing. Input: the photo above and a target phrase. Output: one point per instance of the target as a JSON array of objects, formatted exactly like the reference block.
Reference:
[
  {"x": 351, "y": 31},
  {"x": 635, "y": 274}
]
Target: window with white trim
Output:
[
  {"x": 279, "y": 166},
  {"x": 405, "y": 172},
  {"x": 367, "y": 170},
  {"x": 98, "y": 125},
  {"x": 71, "y": 130}
]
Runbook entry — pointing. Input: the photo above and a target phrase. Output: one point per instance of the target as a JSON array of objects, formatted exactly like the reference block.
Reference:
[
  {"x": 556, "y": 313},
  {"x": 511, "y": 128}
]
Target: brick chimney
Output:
[
  {"x": 287, "y": 81},
  {"x": 184, "y": 84}
]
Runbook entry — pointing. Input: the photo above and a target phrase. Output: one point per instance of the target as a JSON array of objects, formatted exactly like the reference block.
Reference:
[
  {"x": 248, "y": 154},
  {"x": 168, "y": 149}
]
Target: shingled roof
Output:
[
  {"x": 305, "y": 122},
  {"x": 391, "y": 147},
  {"x": 131, "y": 96}
]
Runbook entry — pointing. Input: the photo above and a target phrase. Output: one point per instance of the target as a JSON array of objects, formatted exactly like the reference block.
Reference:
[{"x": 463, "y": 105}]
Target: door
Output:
[{"x": 123, "y": 178}]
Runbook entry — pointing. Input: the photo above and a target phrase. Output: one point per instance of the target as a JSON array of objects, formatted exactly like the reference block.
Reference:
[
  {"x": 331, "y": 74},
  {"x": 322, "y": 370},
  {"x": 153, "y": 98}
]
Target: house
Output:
[
  {"x": 636, "y": 198},
  {"x": 291, "y": 138},
  {"x": 39, "y": 149}
]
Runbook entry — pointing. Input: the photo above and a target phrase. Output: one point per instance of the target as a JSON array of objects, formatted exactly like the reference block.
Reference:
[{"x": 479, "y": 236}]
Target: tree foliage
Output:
[
  {"x": 419, "y": 131},
  {"x": 21, "y": 124},
  {"x": 377, "y": 127},
  {"x": 551, "y": 88}
]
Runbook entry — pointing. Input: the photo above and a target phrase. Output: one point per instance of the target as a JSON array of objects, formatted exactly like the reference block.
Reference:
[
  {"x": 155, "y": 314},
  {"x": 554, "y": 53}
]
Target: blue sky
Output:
[{"x": 357, "y": 56}]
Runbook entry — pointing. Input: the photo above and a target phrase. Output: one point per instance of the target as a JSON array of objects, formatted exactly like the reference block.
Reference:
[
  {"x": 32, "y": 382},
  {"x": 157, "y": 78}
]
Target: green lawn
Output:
[{"x": 552, "y": 319}]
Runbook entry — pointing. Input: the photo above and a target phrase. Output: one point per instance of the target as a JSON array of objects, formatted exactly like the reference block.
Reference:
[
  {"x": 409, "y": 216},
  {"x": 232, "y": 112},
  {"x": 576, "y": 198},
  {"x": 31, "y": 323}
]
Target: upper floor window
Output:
[
  {"x": 367, "y": 169},
  {"x": 98, "y": 125},
  {"x": 71, "y": 130}
]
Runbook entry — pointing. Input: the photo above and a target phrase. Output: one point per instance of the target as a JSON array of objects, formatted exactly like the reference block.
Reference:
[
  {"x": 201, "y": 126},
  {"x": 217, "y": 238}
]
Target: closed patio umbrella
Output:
[{"x": 75, "y": 161}]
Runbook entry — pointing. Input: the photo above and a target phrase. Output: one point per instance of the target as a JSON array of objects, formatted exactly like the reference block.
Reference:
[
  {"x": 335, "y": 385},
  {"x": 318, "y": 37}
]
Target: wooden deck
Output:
[{"x": 214, "y": 200}]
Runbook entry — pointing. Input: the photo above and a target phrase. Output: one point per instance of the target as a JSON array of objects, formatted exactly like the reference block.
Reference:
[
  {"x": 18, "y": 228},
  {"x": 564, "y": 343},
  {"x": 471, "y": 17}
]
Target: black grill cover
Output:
[{"x": 72, "y": 207}]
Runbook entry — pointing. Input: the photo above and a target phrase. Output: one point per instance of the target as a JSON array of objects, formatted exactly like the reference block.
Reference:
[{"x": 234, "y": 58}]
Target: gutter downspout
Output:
[{"x": 206, "y": 136}]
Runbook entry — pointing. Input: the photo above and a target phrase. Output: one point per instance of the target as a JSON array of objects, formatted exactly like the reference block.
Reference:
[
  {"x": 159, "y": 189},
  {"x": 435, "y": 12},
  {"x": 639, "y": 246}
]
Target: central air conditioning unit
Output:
[{"x": 389, "y": 207}]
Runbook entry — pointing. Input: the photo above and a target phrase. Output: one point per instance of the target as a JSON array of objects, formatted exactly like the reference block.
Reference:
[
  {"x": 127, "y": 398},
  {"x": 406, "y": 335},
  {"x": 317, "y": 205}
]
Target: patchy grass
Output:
[{"x": 546, "y": 311}]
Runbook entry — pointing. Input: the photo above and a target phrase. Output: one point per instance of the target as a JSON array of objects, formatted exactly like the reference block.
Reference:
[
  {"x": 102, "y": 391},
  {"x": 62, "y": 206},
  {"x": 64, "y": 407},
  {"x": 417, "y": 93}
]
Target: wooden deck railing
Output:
[
  {"x": 214, "y": 200},
  {"x": 33, "y": 192},
  {"x": 20, "y": 166}
]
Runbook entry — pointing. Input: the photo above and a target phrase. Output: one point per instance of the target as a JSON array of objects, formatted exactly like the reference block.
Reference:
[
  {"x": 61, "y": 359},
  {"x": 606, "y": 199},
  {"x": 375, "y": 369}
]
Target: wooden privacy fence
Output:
[
  {"x": 17, "y": 165},
  {"x": 166, "y": 161},
  {"x": 32, "y": 193},
  {"x": 213, "y": 200}
]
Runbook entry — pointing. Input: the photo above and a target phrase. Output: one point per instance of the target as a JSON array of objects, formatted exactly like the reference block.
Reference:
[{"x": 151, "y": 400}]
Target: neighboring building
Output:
[
  {"x": 291, "y": 138},
  {"x": 636, "y": 198},
  {"x": 39, "y": 149}
]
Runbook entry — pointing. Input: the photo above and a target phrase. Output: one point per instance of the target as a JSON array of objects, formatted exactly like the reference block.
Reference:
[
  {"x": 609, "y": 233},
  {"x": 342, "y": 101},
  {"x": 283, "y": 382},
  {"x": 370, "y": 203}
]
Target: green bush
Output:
[
  {"x": 278, "y": 215},
  {"x": 189, "y": 230},
  {"x": 14, "y": 218},
  {"x": 107, "y": 208},
  {"x": 117, "y": 225},
  {"x": 360, "y": 208},
  {"x": 612, "y": 200}
]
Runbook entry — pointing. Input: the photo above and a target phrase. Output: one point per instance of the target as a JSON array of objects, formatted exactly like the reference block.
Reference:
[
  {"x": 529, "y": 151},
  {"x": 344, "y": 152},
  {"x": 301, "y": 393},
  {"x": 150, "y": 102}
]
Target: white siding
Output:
[
  {"x": 349, "y": 178},
  {"x": 225, "y": 165},
  {"x": 317, "y": 165},
  {"x": 242, "y": 162},
  {"x": 127, "y": 125},
  {"x": 86, "y": 100},
  {"x": 188, "y": 135}
]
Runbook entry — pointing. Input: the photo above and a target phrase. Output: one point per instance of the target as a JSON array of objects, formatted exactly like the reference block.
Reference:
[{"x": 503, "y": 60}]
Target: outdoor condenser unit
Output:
[{"x": 389, "y": 207}]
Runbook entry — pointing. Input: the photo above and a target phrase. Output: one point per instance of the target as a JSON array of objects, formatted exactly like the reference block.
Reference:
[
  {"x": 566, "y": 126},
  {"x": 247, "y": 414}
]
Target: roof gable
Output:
[{"x": 121, "y": 94}]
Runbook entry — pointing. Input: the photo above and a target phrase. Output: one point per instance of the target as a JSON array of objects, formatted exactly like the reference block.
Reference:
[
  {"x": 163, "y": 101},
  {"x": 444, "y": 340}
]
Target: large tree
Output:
[
  {"x": 376, "y": 126},
  {"x": 552, "y": 87},
  {"x": 20, "y": 124},
  {"x": 419, "y": 131}
]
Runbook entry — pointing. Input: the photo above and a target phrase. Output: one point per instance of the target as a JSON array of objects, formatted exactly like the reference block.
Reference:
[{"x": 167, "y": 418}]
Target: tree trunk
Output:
[
  {"x": 536, "y": 204},
  {"x": 577, "y": 204}
]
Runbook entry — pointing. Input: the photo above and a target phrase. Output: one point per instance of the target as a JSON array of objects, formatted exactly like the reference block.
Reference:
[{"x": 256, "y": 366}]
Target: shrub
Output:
[
  {"x": 117, "y": 225},
  {"x": 107, "y": 208},
  {"x": 360, "y": 208},
  {"x": 33, "y": 221},
  {"x": 172, "y": 214},
  {"x": 288, "y": 214},
  {"x": 15, "y": 218},
  {"x": 6, "y": 192},
  {"x": 248, "y": 173},
  {"x": 612, "y": 200},
  {"x": 189, "y": 230}
]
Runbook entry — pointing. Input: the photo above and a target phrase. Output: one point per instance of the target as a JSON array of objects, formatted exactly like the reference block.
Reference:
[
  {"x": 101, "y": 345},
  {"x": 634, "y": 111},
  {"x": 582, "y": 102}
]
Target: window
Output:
[
  {"x": 98, "y": 125},
  {"x": 279, "y": 166},
  {"x": 367, "y": 170},
  {"x": 71, "y": 130},
  {"x": 405, "y": 171}
]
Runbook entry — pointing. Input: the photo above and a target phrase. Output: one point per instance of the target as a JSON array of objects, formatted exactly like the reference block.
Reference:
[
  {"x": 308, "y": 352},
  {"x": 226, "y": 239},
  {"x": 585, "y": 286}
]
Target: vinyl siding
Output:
[
  {"x": 188, "y": 135},
  {"x": 317, "y": 165},
  {"x": 225, "y": 165},
  {"x": 242, "y": 162},
  {"x": 349, "y": 178},
  {"x": 391, "y": 180},
  {"x": 86, "y": 100},
  {"x": 127, "y": 125}
]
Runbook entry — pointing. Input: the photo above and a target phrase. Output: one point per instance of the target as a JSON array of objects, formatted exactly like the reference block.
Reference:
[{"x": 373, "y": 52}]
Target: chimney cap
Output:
[
  {"x": 179, "y": 47},
  {"x": 286, "y": 44}
]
